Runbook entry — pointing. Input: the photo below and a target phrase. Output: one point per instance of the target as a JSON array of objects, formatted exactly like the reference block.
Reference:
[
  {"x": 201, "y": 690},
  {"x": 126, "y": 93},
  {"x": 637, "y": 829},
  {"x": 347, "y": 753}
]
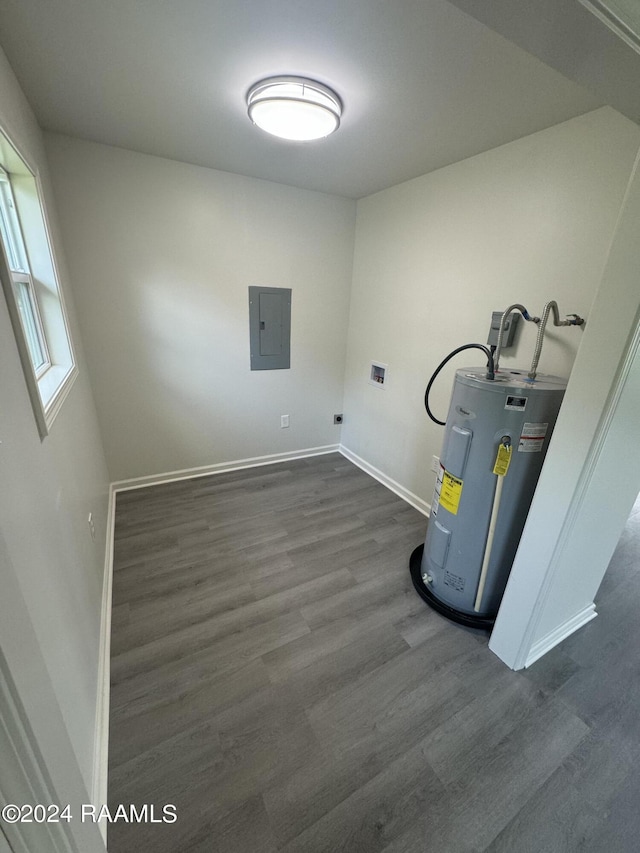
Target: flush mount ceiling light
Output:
[{"x": 294, "y": 108}]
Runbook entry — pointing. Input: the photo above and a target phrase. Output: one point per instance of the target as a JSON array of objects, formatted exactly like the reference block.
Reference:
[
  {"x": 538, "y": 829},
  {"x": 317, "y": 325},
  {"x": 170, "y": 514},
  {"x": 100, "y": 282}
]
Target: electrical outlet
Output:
[
  {"x": 435, "y": 464},
  {"x": 284, "y": 421},
  {"x": 92, "y": 526},
  {"x": 337, "y": 419}
]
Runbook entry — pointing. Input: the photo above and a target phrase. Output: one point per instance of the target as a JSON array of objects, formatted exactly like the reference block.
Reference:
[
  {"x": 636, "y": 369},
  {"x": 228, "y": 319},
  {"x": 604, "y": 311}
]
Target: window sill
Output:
[{"x": 53, "y": 389}]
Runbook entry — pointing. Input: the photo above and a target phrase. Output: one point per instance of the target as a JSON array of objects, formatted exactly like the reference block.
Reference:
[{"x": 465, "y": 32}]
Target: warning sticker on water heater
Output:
[
  {"x": 532, "y": 438},
  {"x": 450, "y": 491}
]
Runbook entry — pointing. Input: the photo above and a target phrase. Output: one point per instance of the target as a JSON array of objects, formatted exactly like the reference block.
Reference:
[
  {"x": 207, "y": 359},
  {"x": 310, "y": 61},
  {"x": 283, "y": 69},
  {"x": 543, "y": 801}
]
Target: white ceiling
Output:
[{"x": 423, "y": 84}]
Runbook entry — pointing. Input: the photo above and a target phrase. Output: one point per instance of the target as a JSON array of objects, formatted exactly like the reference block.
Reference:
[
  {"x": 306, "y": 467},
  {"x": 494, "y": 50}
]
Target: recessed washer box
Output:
[{"x": 378, "y": 374}]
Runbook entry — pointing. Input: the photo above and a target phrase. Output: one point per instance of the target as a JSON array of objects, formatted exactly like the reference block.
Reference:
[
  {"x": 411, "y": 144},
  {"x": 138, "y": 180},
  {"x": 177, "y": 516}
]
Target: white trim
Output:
[
  {"x": 54, "y": 261},
  {"x": 6, "y": 280},
  {"x": 48, "y": 391},
  {"x": 584, "y": 482},
  {"x": 416, "y": 502},
  {"x": 62, "y": 387},
  {"x": 220, "y": 468},
  {"x": 25, "y": 779},
  {"x": 623, "y": 29},
  {"x": 553, "y": 638},
  {"x": 101, "y": 734},
  {"x": 513, "y": 637}
]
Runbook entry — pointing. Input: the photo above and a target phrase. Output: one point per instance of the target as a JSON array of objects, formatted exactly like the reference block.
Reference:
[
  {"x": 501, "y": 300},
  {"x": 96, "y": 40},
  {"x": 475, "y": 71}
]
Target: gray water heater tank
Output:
[{"x": 483, "y": 415}]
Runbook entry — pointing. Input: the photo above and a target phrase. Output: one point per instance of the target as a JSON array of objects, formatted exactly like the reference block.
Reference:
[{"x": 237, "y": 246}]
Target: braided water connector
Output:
[
  {"x": 503, "y": 321},
  {"x": 572, "y": 320}
]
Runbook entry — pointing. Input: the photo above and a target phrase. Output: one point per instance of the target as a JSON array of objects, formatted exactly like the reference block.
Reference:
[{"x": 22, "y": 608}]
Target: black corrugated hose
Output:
[{"x": 489, "y": 375}]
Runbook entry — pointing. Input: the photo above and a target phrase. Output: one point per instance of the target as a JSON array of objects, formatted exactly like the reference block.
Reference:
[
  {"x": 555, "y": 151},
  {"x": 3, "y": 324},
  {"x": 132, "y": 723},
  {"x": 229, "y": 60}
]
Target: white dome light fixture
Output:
[{"x": 294, "y": 108}]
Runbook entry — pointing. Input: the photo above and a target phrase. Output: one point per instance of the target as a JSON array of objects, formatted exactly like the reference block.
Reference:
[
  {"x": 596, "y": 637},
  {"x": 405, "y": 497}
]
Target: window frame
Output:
[
  {"x": 48, "y": 384},
  {"x": 10, "y": 226},
  {"x": 19, "y": 278}
]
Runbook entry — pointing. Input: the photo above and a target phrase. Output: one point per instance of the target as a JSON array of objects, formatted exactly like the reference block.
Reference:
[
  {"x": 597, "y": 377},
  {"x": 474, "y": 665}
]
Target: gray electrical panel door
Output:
[{"x": 270, "y": 327}]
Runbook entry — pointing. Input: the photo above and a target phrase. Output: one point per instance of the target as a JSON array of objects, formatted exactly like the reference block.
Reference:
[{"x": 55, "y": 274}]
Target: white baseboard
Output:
[
  {"x": 416, "y": 502},
  {"x": 553, "y": 638},
  {"x": 101, "y": 741},
  {"x": 221, "y": 467}
]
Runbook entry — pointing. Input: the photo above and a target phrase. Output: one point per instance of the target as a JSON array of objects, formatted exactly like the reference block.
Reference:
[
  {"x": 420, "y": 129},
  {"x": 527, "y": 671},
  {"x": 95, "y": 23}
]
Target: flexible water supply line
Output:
[
  {"x": 503, "y": 321},
  {"x": 550, "y": 306}
]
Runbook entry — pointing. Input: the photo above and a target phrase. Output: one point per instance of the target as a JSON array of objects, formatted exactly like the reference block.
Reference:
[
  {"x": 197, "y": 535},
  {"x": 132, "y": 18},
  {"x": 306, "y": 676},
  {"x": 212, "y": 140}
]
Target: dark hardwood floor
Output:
[{"x": 277, "y": 679}]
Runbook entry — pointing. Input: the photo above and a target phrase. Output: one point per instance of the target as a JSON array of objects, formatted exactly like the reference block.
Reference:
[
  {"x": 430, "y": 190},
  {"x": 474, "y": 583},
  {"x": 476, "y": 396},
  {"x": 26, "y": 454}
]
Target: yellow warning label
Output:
[
  {"x": 502, "y": 460},
  {"x": 450, "y": 493}
]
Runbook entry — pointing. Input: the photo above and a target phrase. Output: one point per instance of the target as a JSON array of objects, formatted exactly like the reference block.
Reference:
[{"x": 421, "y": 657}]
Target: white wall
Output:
[
  {"x": 51, "y": 572},
  {"x": 161, "y": 256},
  {"x": 527, "y": 222},
  {"x": 592, "y": 471}
]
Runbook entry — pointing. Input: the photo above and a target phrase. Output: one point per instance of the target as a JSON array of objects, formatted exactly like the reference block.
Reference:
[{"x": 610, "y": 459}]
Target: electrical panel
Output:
[{"x": 270, "y": 327}]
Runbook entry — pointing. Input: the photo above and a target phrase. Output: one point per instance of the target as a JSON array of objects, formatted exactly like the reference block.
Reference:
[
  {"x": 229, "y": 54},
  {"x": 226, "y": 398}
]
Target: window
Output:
[
  {"x": 30, "y": 284},
  {"x": 18, "y": 264}
]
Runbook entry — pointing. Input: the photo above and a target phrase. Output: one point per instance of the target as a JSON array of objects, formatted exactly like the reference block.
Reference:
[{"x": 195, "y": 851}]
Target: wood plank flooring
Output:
[{"x": 276, "y": 678}]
